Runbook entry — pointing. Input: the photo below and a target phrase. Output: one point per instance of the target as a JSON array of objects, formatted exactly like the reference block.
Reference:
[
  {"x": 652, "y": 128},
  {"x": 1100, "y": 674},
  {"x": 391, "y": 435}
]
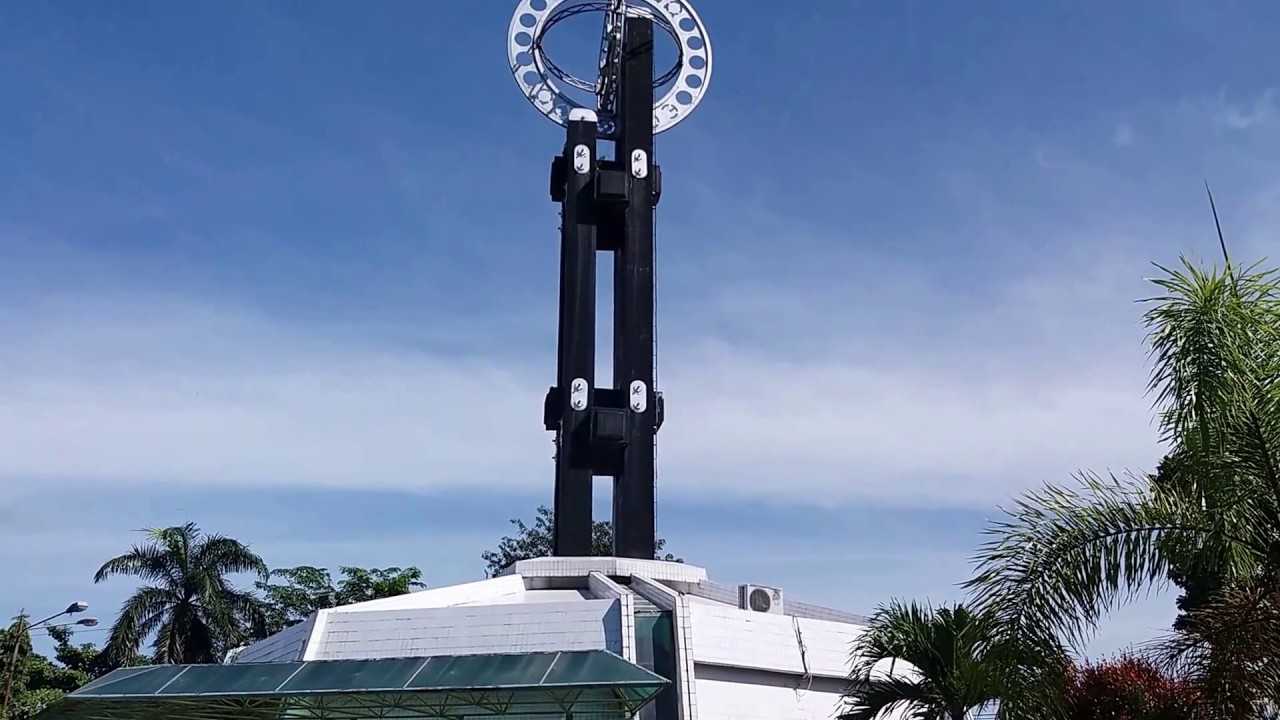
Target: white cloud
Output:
[
  {"x": 847, "y": 560},
  {"x": 135, "y": 390},
  {"x": 1010, "y": 355},
  {"x": 1252, "y": 113}
]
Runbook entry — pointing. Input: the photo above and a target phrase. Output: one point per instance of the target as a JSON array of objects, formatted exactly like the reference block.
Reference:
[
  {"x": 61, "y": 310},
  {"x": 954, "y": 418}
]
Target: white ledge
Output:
[{"x": 572, "y": 567}]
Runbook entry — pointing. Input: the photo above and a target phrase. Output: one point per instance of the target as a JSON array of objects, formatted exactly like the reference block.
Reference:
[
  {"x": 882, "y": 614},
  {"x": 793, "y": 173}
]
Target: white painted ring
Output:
[{"x": 544, "y": 94}]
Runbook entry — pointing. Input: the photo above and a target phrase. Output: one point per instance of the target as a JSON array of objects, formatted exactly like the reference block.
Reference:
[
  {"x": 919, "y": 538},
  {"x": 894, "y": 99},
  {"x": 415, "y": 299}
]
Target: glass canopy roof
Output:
[{"x": 588, "y": 685}]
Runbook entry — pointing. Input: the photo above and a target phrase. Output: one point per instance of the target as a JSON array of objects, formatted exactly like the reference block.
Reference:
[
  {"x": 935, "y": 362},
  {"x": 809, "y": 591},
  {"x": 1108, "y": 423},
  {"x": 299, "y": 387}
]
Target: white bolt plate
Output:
[
  {"x": 639, "y": 396},
  {"x": 640, "y": 164},
  {"x": 581, "y": 159},
  {"x": 578, "y": 394}
]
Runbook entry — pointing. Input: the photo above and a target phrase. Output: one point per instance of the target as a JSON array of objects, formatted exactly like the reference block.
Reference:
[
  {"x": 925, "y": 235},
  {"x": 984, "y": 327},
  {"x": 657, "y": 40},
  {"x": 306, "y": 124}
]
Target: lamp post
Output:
[{"x": 21, "y": 626}]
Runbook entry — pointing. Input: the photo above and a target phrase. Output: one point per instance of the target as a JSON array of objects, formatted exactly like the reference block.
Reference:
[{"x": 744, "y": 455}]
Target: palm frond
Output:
[
  {"x": 140, "y": 615},
  {"x": 1250, "y": 451},
  {"x": 1215, "y": 343},
  {"x": 149, "y": 563},
  {"x": 943, "y": 654},
  {"x": 1234, "y": 651},
  {"x": 1064, "y": 556},
  {"x": 231, "y": 614},
  {"x": 185, "y": 637},
  {"x": 1198, "y": 331},
  {"x": 192, "y": 610},
  {"x": 879, "y": 697},
  {"x": 222, "y": 555}
]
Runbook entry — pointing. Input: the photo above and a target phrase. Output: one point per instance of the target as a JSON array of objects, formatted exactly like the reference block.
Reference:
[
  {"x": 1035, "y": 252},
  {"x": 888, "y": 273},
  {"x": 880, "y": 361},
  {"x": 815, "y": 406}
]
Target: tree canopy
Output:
[
  {"x": 186, "y": 604},
  {"x": 191, "y": 611},
  {"x": 922, "y": 662},
  {"x": 534, "y": 541},
  {"x": 292, "y": 594},
  {"x": 1067, "y": 554},
  {"x": 39, "y": 680}
]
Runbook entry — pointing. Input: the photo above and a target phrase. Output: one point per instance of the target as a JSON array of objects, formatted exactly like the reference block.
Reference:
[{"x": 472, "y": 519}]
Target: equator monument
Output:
[{"x": 566, "y": 636}]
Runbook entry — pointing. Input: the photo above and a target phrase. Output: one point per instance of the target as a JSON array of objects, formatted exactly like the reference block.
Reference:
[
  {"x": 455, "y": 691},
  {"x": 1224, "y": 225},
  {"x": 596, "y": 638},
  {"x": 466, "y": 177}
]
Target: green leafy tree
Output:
[
  {"x": 1066, "y": 555},
  {"x": 292, "y": 594},
  {"x": 86, "y": 658},
  {"x": 31, "y": 681},
  {"x": 1200, "y": 583},
  {"x": 534, "y": 541},
  {"x": 187, "y": 604},
  {"x": 924, "y": 663}
]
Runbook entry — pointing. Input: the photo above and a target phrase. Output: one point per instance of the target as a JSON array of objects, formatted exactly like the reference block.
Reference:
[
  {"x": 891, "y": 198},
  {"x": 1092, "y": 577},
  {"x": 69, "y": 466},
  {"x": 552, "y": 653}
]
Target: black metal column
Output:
[
  {"x": 633, "y": 287},
  {"x": 576, "y": 359},
  {"x": 608, "y": 206}
]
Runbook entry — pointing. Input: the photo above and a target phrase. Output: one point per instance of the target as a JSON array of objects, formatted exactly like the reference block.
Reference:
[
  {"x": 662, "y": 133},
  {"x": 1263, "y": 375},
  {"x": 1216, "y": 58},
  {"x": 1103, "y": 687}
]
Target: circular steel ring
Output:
[{"x": 529, "y": 70}]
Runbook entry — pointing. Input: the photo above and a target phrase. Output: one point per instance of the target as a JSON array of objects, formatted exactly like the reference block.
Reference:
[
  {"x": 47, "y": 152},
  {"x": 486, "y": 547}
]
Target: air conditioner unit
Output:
[{"x": 757, "y": 598}]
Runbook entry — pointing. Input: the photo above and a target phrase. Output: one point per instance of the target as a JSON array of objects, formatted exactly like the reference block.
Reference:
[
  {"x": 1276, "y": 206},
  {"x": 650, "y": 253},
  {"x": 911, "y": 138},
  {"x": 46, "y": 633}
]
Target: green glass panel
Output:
[
  {"x": 609, "y": 697},
  {"x": 637, "y": 694},
  {"x": 597, "y": 668},
  {"x": 483, "y": 671},
  {"x": 587, "y": 682},
  {"x": 593, "y": 703},
  {"x": 354, "y": 675},
  {"x": 129, "y": 681},
  {"x": 655, "y": 651},
  {"x": 114, "y": 675},
  {"x": 245, "y": 679}
]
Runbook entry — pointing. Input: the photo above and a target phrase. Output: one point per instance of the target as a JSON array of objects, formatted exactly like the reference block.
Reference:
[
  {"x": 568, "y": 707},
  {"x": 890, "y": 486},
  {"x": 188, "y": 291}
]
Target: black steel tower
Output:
[{"x": 607, "y": 203}]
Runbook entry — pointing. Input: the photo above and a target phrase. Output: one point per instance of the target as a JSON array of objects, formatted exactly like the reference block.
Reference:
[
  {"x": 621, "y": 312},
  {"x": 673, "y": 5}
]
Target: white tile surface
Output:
[
  {"x": 565, "y": 567},
  {"x": 490, "y": 589},
  {"x": 285, "y": 646},
  {"x": 602, "y": 587},
  {"x": 727, "y": 636},
  {"x": 727, "y": 700},
  {"x": 467, "y": 630}
]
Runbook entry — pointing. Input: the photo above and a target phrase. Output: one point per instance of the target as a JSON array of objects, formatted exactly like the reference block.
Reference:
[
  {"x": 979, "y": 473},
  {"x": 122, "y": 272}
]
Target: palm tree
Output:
[
  {"x": 940, "y": 663},
  {"x": 187, "y": 604},
  {"x": 1066, "y": 555}
]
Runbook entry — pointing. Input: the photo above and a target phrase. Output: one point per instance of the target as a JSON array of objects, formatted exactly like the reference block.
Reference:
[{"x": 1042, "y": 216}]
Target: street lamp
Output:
[
  {"x": 83, "y": 622},
  {"x": 21, "y": 626}
]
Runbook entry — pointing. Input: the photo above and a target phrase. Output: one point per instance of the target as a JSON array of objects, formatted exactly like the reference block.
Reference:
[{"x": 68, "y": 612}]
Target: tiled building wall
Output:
[
  {"x": 284, "y": 646},
  {"x": 726, "y": 636},
  {"x": 729, "y": 699},
  {"x": 602, "y": 587},
  {"x": 664, "y": 597},
  {"x": 472, "y": 630}
]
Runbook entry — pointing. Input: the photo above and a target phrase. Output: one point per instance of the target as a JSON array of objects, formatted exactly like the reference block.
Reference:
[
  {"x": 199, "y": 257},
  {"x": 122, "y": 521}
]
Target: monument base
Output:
[{"x": 730, "y": 652}]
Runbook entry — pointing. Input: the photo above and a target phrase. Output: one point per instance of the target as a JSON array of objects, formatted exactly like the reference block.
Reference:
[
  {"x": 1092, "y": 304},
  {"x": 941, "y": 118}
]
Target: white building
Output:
[{"x": 731, "y": 653}]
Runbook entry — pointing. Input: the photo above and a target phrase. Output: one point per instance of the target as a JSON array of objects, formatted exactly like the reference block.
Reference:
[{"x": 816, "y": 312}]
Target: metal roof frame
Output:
[{"x": 586, "y": 685}]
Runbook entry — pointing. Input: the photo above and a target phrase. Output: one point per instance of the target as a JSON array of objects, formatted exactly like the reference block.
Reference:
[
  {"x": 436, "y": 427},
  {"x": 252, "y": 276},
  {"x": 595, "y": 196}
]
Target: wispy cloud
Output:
[
  {"x": 284, "y": 287},
  {"x": 1252, "y": 113},
  {"x": 146, "y": 389},
  {"x": 834, "y": 374}
]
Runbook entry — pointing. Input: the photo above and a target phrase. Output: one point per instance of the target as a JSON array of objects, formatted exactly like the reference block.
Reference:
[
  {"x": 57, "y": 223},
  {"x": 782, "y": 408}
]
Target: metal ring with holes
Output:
[{"x": 530, "y": 70}]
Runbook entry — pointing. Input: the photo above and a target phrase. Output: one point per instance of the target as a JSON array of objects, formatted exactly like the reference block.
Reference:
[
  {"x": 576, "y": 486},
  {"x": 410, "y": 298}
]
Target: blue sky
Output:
[{"x": 288, "y": 270}]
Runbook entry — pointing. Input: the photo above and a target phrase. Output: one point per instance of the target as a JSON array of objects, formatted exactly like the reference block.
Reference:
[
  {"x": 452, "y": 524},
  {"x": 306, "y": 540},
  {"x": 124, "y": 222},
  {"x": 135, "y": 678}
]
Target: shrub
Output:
[{"x": 1131, "y": 688}]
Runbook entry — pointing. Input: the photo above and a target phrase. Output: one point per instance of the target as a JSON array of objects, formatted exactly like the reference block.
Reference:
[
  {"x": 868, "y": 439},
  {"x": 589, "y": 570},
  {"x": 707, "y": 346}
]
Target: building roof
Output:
[
  {"x": 538, "y": 605},
  {"x": 586, "y": 684}
]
